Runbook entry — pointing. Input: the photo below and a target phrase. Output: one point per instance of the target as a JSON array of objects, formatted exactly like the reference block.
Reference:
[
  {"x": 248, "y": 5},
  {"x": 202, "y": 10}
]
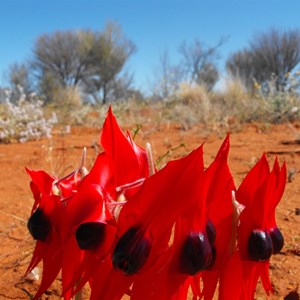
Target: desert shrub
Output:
[
  {"x": 234, "y": 102},
  {"x": 24, "y": 120},
  {"x": 69, "y": 107},
  {"x": 279, "y": 105},
  {"x": 190, "y": 105}
]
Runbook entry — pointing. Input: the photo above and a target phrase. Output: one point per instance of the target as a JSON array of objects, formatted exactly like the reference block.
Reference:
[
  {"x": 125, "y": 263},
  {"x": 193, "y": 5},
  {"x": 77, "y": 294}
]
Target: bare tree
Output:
[
  {"x": 270, "y": 54},
  {"x": 198, "y": 58},
  {"x": 122, "y": 88},
  {"x": 240, "y": 65},
  {"x": 20, "y": 81},
  {"x": 19, "y": 76},
  {"x": 208, "y": 75},
  {"x": 56, "y": 54},
  {"x": 167, "y": 77}
]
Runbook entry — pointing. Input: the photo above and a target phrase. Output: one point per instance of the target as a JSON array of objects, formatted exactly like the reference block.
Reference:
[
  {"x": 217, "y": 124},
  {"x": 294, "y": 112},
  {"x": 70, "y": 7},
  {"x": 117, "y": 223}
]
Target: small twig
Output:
[
  {"x": 150, "y": 159},
  {"x": 136, "y": 130},
  {"x": 127, "y": 186},
  {"x": 281, "y": 152},
  {"x": 95, "y": 147},
  {"x": 291, "y": 142},
  {"x": 158, "y": 161},
  {"x": 13, "y": 216},
  {"x": 83, "y": 158},
  {"x": 76, "y": 147}
]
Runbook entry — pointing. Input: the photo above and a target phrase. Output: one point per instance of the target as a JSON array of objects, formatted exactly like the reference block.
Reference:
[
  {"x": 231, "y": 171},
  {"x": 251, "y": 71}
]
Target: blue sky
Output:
[{"x": 153, "y": 25}]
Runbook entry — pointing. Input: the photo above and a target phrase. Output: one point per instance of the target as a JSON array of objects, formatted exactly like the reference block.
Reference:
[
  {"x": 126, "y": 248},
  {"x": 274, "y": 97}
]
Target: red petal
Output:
[
  {"x": 210, "y": 280},
  {"x": 231, "y": 279},
  {"x": 42, "y": 180},
  {"x": 129, "y": 165},
  {"x": 219, "y": 184},
  {"x": 108, "y": 284},
  {"x": 72, "y": 256},
  {"x": 265, "y": 279},
  {"x": 52, "y": 262},
  {"x": 101, "y": 173},
  {"x": 253, "y": 180},
  {"x": 164, "y": 195}
]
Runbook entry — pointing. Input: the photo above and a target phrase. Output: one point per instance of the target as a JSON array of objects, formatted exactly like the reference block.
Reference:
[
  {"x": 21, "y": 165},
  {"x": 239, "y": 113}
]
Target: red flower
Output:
[
  {"x": 218, "y": 189},
  {"x": 154, "y": 237},
  {"x": 89, "y": 222},
  {"x": 179, "y": 194},
  {"x": 45, "y": 226},
  {"x": 258, "y": 235},
  {"x": 122, "y": 165},
  {"x": 260, "y": 192}
]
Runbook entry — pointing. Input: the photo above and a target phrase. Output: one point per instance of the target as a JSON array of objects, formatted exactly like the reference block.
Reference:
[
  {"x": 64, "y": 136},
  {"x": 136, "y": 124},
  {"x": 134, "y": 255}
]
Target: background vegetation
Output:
[{"x": 78, "y": 73}]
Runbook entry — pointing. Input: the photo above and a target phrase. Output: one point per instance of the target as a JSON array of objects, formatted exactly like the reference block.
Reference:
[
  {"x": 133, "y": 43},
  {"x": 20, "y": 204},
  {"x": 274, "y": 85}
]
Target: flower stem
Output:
[{"x": 150, "y": 159}]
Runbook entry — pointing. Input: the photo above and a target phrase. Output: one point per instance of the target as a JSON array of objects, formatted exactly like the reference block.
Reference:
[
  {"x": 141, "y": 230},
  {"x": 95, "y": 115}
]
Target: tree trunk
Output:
[{"x": 104, "y": 99}]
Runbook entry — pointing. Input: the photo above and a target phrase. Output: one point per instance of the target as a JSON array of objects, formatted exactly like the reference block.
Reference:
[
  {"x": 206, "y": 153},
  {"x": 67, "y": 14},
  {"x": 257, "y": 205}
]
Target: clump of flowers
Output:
[
  {"x": 24, "y": 120},
  {"x": 126, "y": 228}
]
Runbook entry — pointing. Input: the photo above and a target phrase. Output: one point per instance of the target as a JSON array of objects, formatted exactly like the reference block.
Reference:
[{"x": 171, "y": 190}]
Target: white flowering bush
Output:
[{"x": 24, "y": 120}]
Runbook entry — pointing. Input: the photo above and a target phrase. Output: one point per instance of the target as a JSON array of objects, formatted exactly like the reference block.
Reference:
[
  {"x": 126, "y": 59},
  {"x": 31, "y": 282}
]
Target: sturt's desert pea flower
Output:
[
  {"x": 72, "y": 214},
  {"x": 126, "y": 228},
  {"x": 46, "y": 225},
  {"x": 258, "y": 234}
]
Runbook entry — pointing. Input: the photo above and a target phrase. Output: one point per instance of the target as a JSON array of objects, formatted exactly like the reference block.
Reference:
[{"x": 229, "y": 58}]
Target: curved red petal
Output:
[
  {"x": 231, "y": 279},
  {"x": 42, "y": 180},
  {"x": 253, "y": 180},
  {"x": 128, "y": 160}
]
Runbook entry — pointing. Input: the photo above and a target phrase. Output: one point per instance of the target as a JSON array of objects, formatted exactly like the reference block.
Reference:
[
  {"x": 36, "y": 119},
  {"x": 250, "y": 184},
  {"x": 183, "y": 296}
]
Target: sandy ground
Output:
[{"x": 62, "y": 152}]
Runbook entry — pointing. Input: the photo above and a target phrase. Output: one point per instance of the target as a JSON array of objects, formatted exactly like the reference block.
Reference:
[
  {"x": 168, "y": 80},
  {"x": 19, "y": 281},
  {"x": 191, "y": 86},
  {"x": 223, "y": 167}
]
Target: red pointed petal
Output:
[
  {"x": 281, "y": 182},
  {"x": 161, "y": 282},
  {"x": 36, "y": 195},
  {"x": 153, "y": 284},
  {"x": 108, "y": 284},
  {"x": 251, "y": 273},
  {"x": 128, "y": 164},
  {"x": 224, "y": 149},
  {"x": 52, "y": 262},
  {"x": 160, "y": 200},
  {"x": 141, "y": 156},
  {"x": 218, "y": 189},
  {"x": 253, "y": 180},
  {"x": 71, "y": 258},
  {"x": 51, "y": 268},
  {"x": 265, "y": 279},
  {"x": 210, "y": 280},
  {"x": 36, "y": 256},
  {"x": 42, "y": 180},
  {"x": 163, "y": 195},
  {"x": 231, "y": 279},
  {"x": 101, "y": 172},
  {"x": 196, "y": 287}
]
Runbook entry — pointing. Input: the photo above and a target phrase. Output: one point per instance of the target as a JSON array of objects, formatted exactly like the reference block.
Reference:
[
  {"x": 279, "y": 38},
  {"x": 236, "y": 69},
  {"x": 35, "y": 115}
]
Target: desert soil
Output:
[{"x": 62, "y": 153}]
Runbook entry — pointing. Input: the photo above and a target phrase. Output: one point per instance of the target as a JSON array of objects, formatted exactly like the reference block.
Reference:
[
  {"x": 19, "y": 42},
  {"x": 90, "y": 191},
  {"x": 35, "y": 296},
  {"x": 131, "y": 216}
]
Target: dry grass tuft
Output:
[{"x": 68, "y": 105}]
